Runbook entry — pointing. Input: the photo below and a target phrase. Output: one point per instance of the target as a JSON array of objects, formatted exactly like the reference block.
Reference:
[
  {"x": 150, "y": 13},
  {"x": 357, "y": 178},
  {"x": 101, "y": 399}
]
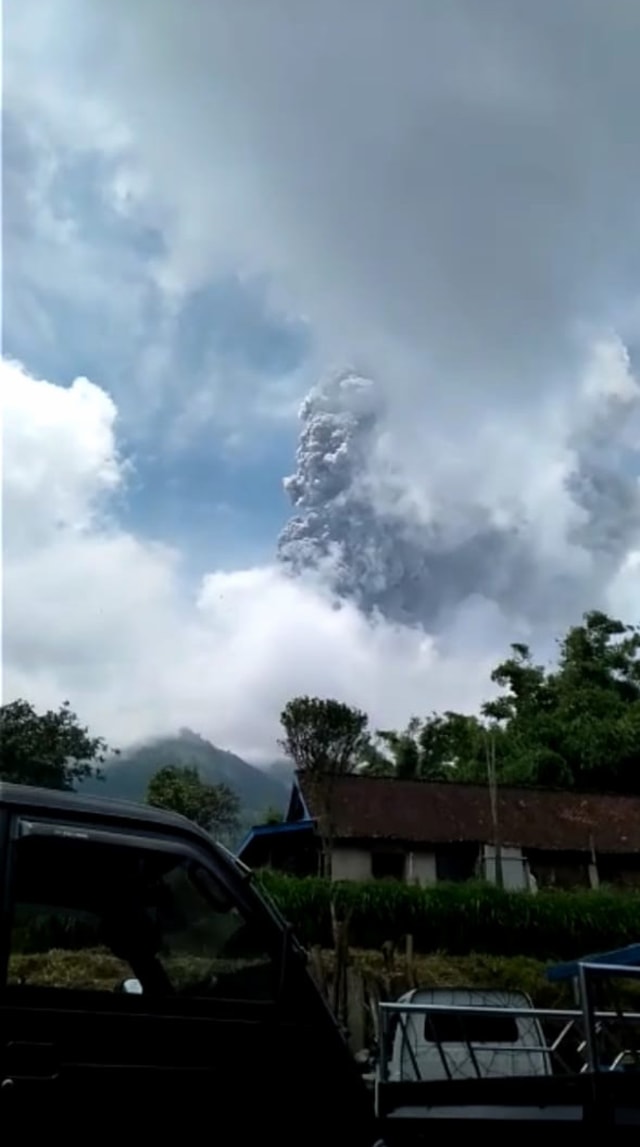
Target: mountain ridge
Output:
[{"x": 127, "y": 776}]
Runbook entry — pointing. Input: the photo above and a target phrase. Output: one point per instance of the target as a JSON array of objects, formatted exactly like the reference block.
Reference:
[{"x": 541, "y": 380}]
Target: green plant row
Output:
[{"x": 459, "y": 918}]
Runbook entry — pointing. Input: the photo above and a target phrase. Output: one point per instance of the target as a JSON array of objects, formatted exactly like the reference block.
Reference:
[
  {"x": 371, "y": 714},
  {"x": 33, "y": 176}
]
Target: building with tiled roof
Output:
[{"x": 428, "y": 831}]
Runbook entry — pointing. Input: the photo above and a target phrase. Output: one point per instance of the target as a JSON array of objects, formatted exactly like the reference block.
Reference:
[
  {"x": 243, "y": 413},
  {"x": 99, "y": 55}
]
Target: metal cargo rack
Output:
[{"x": 593, "y": 1054}]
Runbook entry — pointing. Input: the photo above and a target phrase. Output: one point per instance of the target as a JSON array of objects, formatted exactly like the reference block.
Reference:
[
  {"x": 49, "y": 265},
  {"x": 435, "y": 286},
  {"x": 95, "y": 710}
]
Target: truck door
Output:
[{"x": 204, "y": 1041}]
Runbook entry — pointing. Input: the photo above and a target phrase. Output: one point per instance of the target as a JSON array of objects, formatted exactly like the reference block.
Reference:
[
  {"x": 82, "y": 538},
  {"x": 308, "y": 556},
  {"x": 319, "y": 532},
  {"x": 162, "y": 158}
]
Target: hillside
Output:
[
  {"x": 283, "y": 772},
  {"x": 127, "y": 777}
]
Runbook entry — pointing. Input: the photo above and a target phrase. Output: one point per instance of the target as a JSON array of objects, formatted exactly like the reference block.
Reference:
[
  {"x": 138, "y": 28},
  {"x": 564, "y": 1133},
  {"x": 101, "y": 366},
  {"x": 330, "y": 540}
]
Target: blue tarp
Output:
[{"x": 628, "y": 957}]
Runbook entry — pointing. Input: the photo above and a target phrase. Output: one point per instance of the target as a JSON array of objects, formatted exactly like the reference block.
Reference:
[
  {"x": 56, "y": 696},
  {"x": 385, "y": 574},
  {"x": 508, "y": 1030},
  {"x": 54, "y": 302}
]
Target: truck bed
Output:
[{"x": 411, "y": 1112}]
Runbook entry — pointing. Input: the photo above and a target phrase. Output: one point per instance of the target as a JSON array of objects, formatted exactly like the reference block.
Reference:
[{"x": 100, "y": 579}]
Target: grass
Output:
[
  {"x": 85, "y": 970},
  {"x": 100, "y": 971},
  {"x": 459, "y": 918},
  {"x": 475, "y": 970}
]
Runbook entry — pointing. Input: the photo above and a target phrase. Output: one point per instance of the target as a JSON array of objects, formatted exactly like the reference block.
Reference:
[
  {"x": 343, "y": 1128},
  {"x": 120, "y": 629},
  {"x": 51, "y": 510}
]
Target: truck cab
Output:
[{"x": 145, "y": 981}]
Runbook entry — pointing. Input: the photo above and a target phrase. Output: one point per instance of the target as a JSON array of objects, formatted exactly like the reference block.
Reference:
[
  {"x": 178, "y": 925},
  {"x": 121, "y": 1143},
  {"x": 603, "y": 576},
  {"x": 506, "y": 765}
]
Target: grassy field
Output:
[
  {"x": 91, "y": 971},
  {"x": 476, "y": 970},
  {"x": 100, "y": 971}
]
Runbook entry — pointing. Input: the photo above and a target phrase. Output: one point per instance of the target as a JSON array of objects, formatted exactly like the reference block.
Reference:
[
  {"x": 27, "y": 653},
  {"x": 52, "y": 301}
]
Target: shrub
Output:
[{"x": 459, "y": 918}]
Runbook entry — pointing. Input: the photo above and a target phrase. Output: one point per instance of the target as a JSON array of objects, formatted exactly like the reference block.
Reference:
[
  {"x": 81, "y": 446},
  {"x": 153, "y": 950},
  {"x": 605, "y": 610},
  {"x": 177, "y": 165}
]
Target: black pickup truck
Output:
[{"x": 148, "y": 987}]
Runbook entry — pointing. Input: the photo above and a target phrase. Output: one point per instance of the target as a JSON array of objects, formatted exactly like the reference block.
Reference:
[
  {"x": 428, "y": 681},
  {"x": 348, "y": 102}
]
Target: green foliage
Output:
[
  {"x": 398, "y": 753},
  {"x": 574, "y": 726},
  {"x": 39, "y": 932},
  {"x": 324, "y": 737},
  {"x": 272, "y": 816},
  {"x": 128, "y": 777},
  {"x": 213, "y": 807},
  {"x": 50, "y": 750},
  {"x": 458, "y": 918}
]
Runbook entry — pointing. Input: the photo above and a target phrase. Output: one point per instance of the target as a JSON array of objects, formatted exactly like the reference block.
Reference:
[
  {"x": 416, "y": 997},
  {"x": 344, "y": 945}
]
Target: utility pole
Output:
[{"x": 492, "y": 777}]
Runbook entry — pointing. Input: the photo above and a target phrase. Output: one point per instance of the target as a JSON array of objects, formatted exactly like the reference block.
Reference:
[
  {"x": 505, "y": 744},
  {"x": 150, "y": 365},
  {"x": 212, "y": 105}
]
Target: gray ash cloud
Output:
[{"x": 351, "y": 525}]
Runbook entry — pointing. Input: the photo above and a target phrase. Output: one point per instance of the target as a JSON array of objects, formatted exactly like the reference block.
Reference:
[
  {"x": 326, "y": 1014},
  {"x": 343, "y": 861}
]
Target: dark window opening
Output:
[
  {"x": 457, "y": 862},
  {"x": 452, "y": 1027},
  {"x": 622, "y": 871},
  {"x": 388, "y": 865},
  {"x": 559, "y": 869}
]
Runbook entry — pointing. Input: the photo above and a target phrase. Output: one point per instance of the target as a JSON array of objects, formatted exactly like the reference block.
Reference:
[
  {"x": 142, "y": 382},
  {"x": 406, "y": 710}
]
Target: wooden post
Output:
[
  {"x": 409, "y": 960},
  {"x": 493, "y": 800},
  {"x": 356, "y": 1006},
  {"x": 340, "y": 1002},
  {"x": 594, "y": 875}
]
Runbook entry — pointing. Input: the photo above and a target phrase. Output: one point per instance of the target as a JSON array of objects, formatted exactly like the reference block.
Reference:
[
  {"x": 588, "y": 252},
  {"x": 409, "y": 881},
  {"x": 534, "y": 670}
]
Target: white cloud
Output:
[
  {"x": 451, "y": 199},
  {"x": 453, "y": 190},
  {"x": 103, "y": 617},
  {"x": 450, "y": 195},
  {"x": 46, "y": 498}
]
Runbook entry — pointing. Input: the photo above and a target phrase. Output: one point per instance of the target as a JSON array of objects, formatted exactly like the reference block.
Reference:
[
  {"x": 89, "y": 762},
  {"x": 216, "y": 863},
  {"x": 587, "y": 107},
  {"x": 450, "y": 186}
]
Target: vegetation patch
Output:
[{"x": 458, "y": 918}]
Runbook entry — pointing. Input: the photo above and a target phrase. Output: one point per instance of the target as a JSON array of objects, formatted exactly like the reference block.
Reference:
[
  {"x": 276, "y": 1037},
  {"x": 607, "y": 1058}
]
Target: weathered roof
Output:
[{"x": 377, "y": 808}]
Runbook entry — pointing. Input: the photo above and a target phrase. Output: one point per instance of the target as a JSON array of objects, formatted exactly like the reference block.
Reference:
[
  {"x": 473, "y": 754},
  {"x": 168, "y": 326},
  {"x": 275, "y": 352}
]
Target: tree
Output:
[
  {"x": 443, "y": 747},
  {"x": 395, "y": 754},
  {"x": 578, "y": 725},
  {"x": 575, "y": 725},
  {"x": 272, "y": 816},
  {"x": 215, "y": 808},
  {"x": 323, "y": 736},
  {"x": 50, "y": 750},
  {"x": 325, "y": 739}
]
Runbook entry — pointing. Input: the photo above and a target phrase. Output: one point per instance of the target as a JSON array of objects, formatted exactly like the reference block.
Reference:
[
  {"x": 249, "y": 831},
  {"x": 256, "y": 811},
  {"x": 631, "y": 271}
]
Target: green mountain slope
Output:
[{"x": 127, "y": 777}]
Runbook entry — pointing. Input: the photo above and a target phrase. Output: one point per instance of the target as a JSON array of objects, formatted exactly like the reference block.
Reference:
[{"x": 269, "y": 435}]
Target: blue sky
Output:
[{"x": 201, "y": 478}]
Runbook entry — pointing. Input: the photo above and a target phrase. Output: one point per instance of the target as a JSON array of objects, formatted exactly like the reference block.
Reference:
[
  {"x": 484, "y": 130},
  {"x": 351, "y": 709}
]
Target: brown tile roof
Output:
[{"x": 438, "y": 813}]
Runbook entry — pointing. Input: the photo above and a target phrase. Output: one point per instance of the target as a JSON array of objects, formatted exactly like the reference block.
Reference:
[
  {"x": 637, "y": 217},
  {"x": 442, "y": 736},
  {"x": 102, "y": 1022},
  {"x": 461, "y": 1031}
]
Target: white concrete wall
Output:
[
  {"x": 421, "y": 868},
  {"x": 354, "y": 863},
  {"x": 350, "y": 863},
  {"x": 514, "y": 870}
]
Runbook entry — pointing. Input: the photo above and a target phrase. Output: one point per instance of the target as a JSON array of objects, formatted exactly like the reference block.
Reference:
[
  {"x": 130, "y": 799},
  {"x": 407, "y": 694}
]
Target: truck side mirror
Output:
[{"x": 130, "y": 987}]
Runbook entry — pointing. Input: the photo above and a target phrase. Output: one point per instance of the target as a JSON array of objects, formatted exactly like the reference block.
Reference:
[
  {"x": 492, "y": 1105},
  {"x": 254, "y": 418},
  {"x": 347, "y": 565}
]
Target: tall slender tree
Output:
[{"x": 325, "y": 739}]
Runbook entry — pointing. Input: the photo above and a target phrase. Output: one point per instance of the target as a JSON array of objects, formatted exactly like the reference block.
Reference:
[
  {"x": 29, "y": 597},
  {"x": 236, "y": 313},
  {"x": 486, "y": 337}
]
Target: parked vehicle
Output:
[
  {"x": 467, "y": 1033},
  {"x": 447, "y": 1056},
  {"x": 223, "y": 1033},
  {"x": 149, "y": 989}
]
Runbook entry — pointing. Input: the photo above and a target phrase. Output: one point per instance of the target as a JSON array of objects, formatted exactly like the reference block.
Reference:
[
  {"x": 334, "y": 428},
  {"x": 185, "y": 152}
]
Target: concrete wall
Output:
[
  {"x": 353, "y": 863},
  {"x": 514, "y": 870},
  {"x": 421, "y": 868},
  {"x": 350, "y": 863}
]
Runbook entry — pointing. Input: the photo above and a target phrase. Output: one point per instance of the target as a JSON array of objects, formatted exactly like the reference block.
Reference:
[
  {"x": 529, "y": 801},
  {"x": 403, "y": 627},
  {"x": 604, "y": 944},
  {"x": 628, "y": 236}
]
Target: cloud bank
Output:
[
  {"x": 448, "y": 201},
  {"x": 105, "y": 618}
]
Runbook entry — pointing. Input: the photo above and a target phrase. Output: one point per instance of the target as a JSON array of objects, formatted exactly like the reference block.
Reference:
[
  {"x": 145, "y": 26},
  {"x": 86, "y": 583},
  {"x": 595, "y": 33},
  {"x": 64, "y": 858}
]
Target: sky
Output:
[{"x": 213, "y": 210}]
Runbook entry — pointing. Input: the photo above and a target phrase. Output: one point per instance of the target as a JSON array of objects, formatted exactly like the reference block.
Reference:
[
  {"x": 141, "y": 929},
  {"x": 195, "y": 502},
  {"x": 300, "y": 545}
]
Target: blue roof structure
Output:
[
  {"x": 628, "y": 957},
  {"x": 274, "y": 830}
]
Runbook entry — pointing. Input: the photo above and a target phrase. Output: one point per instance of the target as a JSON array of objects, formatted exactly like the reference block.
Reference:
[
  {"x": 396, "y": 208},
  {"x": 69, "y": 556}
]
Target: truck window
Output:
[
  {"x": 454, "y": 1027},
  {"x": 87, "y": 916}
]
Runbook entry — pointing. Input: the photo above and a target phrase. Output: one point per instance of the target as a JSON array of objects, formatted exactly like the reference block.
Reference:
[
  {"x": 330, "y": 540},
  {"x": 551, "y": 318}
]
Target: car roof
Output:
[{"x": 25, "y": 798}]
